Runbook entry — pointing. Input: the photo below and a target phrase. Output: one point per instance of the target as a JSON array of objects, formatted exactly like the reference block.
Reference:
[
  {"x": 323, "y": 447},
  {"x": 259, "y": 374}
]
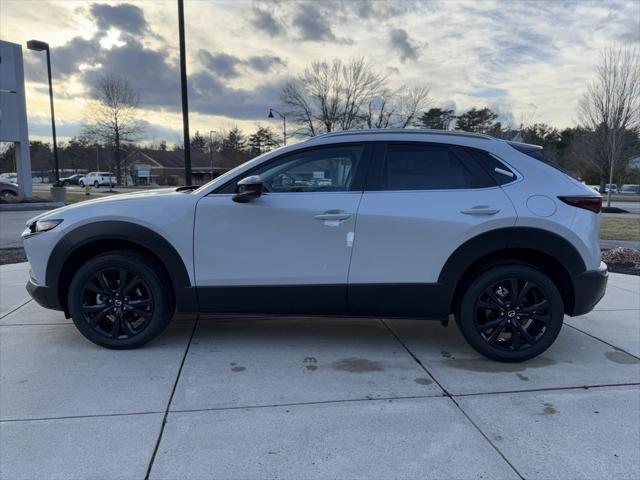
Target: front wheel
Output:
[
  {"x": 96, "y": 184},
  {"x": 81, "y": 184},
  {"x": 511, "y": 313},
  {"x": 119, "y": 300}
]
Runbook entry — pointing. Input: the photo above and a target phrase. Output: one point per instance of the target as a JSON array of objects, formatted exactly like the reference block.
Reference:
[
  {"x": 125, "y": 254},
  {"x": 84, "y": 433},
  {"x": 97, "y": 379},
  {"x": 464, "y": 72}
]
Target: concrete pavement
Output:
[{"x": 316, "y": 398}]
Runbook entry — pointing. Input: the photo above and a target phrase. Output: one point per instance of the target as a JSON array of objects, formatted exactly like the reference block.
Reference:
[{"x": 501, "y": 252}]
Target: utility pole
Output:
[
  {"x": 185, "y": 100},
  {"x": 211, "y": 132}
]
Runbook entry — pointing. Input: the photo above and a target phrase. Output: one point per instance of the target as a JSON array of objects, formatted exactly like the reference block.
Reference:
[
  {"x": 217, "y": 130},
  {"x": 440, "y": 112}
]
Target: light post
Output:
[
  {"x": 39, "y": 46},
  {"x": 185, "y": 101},
  {"x": 284, "y": 122},
  {"x": 211, "y": 132}
]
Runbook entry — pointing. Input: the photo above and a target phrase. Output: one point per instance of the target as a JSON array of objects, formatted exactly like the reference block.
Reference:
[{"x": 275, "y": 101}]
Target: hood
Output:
[{"x": 117, "y": 197}]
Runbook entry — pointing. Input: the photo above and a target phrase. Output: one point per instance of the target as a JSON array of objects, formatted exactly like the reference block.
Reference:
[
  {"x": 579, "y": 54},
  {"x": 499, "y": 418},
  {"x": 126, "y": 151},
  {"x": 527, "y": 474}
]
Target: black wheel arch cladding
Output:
[{"x": 142, "y": 237}]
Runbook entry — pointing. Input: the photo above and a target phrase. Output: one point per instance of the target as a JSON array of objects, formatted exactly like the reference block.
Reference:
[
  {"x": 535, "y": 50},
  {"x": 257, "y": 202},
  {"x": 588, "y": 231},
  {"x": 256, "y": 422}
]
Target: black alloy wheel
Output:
[
  {"x": 511, "y": 313},
  {"x": 117, "y": 303},
  {"x": 121, "y": 299}
]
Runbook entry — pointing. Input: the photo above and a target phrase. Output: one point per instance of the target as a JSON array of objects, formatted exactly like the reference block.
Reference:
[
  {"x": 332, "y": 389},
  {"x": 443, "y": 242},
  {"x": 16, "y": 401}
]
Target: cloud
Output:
[
  {"x": 125, "y": 17},
  {"x": 314, "y": 27},
  {"x": 212, "y": 96},
  {"x": 156, "y": 81},
  {"x": 400, "y": 41},
  {"x": 266, "y": 22},
  {"x": 220, "y": 64},
  {"x": 65, "y": 59},
  {"x": 224, "y": 65},
  {"x": 265, "y": 63}
]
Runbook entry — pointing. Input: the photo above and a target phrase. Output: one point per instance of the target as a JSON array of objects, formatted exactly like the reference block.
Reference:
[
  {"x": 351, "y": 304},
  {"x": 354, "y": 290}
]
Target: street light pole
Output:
[
  {"x": 185, "y": 100},
  {"x": 284, "y": 123},
  {"x": 39, "y": 46},
  {"x": 211, "y": 132}
]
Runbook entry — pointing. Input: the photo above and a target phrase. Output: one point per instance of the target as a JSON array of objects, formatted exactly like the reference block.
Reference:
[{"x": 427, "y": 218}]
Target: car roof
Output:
[{"x": 453, "y": 137}]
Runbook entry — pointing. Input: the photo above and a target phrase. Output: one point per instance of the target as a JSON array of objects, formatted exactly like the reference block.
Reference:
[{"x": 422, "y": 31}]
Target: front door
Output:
[{"x": 287, "y": 251}]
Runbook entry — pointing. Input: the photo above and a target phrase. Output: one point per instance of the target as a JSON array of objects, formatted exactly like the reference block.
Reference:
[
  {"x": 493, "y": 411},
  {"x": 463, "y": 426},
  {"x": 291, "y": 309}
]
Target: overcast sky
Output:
[{"x": 516, "y": 56}]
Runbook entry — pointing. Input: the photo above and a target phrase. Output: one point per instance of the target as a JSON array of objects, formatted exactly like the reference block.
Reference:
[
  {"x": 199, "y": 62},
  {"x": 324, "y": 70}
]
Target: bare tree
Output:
[
  {"x": 334, "y": 95},
  {"x": 112, "y": 116},
  {"x": 610, "y": 107},
  {"x": 411, "y": 102}
]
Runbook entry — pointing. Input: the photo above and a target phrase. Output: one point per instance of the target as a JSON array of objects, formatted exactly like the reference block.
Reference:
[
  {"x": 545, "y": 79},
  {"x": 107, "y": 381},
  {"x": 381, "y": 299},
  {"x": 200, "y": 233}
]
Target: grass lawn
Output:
[{"x": 620, "y": 228}]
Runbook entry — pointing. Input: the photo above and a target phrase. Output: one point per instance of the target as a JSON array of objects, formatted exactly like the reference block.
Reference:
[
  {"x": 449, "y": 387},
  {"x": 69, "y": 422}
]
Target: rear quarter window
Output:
[
  {"x": 497, "y": 170},
  {"x": 535, "y": 152}
]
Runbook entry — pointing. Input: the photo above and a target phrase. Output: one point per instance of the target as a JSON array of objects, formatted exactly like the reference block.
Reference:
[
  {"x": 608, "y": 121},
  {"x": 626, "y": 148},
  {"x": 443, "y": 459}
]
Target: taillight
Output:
[{"x": 591, "y": 203}]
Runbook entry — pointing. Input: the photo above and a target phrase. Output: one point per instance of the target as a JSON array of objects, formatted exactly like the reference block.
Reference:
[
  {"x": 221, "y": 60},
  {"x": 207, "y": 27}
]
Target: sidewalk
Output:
[{"x": 316, "y": 398}]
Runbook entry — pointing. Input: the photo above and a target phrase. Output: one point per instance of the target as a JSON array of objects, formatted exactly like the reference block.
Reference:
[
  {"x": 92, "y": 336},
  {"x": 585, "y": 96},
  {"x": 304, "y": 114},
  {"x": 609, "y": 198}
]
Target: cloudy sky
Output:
[{"x": 516, "y": 56}]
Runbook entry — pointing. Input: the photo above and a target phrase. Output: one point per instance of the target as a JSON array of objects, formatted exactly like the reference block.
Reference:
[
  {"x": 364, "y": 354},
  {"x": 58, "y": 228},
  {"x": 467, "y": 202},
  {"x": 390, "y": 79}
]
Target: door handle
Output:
[
  {"x": 480, "y": 210},
  {"x": 332, "y": 215}
]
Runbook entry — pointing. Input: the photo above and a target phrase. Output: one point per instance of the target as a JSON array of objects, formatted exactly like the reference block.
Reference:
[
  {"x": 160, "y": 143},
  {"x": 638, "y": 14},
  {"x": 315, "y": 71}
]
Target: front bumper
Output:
[
  {"x": 589, "y": 288},
  {"x": 45, "y": 296}
]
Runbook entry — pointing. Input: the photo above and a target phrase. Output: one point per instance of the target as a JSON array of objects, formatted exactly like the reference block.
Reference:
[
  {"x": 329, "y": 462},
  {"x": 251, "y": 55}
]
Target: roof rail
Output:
[{"x": 456, "y": 133}]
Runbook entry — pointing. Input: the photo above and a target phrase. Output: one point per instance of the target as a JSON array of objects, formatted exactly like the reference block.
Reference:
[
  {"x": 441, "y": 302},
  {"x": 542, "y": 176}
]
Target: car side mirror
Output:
[{"x": 248, "y": 189}]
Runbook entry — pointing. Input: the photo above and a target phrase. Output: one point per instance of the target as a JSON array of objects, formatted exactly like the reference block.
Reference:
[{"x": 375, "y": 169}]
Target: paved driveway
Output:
[{"x": 317, "y": 398}]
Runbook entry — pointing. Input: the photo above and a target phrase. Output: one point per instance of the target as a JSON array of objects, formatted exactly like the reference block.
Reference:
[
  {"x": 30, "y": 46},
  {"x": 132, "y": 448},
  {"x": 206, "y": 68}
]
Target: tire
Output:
[
  {"x": 81, "y": 184},
  {"x": 96, "y": 184},
  {"x": 511, "y": 327},
  {"x": 8, "y": 194},
  {"x": 98, "y": 298},
  {"x": 65, "y": 184}
]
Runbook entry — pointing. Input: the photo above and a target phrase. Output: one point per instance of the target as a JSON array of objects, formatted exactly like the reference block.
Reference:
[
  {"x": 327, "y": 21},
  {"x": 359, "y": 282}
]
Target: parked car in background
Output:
[
  {"x": 614, "y": 188},
  {"x": 8, "y": 189},
  {"x": 630, "y": 189},
  {"x": 72, "y": 179},
  {"x": 373, "y": 223},
  {"x": 10, "y": 177},
  {"x": 98, "y": 179}
]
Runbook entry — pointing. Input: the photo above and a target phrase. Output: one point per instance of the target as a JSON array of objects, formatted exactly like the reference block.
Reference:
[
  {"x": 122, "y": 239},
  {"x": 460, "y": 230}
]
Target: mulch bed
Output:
[{"x": 622, "y": 260}]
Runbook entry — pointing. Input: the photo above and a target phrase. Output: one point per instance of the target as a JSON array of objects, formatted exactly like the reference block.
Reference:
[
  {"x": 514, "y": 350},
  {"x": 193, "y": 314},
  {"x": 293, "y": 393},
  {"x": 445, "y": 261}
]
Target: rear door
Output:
[{"x": 421, "y": 202}]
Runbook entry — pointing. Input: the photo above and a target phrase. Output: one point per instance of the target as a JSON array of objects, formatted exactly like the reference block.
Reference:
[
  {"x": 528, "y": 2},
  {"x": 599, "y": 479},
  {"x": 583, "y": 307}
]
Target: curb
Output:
[{"x": 25, "y": 207}]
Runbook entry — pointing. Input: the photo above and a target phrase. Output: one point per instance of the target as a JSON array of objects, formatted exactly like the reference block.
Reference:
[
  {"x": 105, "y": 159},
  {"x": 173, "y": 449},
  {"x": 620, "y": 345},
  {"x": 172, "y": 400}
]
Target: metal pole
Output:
[
  {"x": 284, "y": 128},
  {"x": 185, "y": 100},
  {"x": 610, "y": 183},
  {"x": 211, "y": 151},
  {"x": 53, "y": 121}
]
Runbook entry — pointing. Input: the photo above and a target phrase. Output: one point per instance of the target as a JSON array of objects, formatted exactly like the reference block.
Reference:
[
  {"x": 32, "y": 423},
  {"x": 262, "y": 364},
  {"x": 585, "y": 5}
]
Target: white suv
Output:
[
  {"x": 377, "y": 223},
  {"x": 97, "y": 179}
]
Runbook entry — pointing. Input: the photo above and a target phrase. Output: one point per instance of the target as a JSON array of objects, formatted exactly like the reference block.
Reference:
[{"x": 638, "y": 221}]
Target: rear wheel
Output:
[
  {"x": 96, "y": 184},
  {"x": 119, "y": 300},
  {"x": 511, "y": 313}
]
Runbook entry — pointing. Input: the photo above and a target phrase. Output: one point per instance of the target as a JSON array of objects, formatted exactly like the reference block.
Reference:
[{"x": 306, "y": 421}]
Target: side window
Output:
[
  {"x": 423, "y": 167},
  {"x": 500, "y": 173},
  {"x": 319, "y": 170}
]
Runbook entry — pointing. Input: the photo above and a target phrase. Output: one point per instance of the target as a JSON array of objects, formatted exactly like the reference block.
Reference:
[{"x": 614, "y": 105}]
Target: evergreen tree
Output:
[{"x": 436, "y": 118}]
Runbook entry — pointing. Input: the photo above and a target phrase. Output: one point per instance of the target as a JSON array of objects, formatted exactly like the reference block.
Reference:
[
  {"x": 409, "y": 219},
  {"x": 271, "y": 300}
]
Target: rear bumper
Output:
[
  {"x": 45, "y": 296},
  {"x": 589, "y": 288}
]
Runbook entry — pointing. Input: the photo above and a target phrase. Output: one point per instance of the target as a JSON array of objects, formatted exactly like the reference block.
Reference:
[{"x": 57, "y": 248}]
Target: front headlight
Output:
[{"x": 40, "y": 226}]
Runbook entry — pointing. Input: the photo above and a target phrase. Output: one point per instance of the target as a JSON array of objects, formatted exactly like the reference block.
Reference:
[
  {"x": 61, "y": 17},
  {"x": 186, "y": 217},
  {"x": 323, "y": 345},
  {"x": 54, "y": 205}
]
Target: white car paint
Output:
[{"x": 389, "y": 236}]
